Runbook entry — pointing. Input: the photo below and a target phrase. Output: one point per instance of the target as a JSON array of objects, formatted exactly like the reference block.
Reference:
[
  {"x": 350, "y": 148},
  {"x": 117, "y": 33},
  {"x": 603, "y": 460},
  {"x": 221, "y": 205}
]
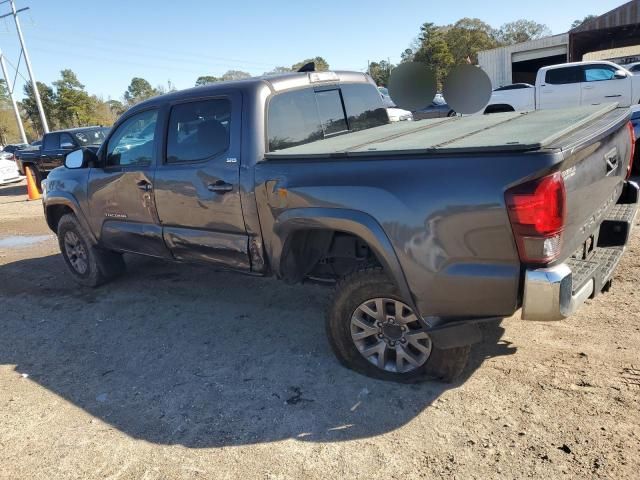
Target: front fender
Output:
[
  {"x": 341, "y": 220},
  {"x": 54, "y": 199}
]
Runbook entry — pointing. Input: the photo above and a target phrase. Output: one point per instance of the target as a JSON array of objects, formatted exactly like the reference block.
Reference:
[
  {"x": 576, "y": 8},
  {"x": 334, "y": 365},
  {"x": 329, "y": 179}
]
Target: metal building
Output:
[
  {"x": 520, "y": 62},
  {"x": 613, "y": 31}
]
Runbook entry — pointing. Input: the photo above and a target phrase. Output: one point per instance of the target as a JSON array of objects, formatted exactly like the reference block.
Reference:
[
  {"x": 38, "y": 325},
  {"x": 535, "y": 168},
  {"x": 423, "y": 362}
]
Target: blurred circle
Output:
[
  {"x": 467, "y": 89},
  {"x": 412, "y": 86}
]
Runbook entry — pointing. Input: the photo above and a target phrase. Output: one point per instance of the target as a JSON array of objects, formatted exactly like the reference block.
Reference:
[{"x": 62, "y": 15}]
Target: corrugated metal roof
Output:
[
  {"x": 627, "y": 14},
  {"x": 543, "y": 42}
]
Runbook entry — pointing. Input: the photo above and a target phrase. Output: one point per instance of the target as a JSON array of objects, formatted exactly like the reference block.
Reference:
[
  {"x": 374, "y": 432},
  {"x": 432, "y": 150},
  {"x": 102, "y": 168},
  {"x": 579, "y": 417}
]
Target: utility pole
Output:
[
  {"x": 34, "y": 85},
  {"x": 13, "y": 100}
]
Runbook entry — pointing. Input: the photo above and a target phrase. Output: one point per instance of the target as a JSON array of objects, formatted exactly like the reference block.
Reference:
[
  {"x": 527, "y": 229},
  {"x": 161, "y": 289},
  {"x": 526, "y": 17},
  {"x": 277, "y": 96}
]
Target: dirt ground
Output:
[{"x": 177, "y": 371}]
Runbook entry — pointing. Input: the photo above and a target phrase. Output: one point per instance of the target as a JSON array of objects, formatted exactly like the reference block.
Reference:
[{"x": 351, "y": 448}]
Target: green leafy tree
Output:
[
  {"x": 101, "y": 112},
  {"x": 407, "y": 55},
  {"x": 277, "y": 71},
  {"x": 522, "y": 31},
  {"x": 321, "y": 64},
  {"x": 234, "y": 75},
  {"x": 116, "y": 107},
  {"x": 380, "y": 72},
  {"x": 577, "y": 23},
  {"x": 206, "y": 79},
  {"x": 49, "y": 105},
  {"x": 73, "y": 104},
  {"x": 467, "y": 37},
  {"x": 139, "y": 90},
  {"x": 434, "y": 50},
  {"x": 9, "y": 132}
]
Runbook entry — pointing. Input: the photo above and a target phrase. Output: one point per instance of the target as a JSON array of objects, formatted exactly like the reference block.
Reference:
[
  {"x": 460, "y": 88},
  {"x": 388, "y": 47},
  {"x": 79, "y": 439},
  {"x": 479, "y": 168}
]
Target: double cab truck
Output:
[
  {"x": 425, "y": 228},
  {"x": 49, "y": 154},
  {"x": 570, "y": 85}
]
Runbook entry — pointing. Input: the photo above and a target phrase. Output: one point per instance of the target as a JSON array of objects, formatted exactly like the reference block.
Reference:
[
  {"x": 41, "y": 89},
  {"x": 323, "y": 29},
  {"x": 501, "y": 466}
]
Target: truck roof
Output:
[
  {"x": 276, "y": 83},
  {"x": 508, "y": 132},
  {"x": 577, "y": 64},
  {"x": 77, "y": 129}
]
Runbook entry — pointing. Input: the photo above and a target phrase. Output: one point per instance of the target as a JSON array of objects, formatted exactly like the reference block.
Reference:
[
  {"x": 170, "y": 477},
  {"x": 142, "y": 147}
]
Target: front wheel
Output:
[
  {"x": 374, "y": 332},
  {"x": 89, "y": 265}
]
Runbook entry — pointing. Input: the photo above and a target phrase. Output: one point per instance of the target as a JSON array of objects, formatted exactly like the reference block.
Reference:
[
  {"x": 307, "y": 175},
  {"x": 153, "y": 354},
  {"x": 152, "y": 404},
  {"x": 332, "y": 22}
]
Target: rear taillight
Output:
[
  {"x": 632, "y": 133},
  {"x": 537, "y": 213}
]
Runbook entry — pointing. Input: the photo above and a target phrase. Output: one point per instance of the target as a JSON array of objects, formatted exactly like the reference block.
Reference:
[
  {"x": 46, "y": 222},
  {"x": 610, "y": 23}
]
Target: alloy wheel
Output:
[
  {"x": 389, "y": 335},
  {"x": 76, "y": 252}
]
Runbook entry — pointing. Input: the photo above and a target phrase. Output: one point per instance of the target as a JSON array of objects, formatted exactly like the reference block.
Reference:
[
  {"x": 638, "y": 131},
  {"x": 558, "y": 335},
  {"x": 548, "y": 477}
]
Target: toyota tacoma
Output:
[{"x": 425, "y": 228}]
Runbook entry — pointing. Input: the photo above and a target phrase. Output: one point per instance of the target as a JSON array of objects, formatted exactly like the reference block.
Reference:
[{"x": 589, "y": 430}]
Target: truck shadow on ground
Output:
[
  {"x": 180, "y": 354},
  {"x": 13, "y": 189}
]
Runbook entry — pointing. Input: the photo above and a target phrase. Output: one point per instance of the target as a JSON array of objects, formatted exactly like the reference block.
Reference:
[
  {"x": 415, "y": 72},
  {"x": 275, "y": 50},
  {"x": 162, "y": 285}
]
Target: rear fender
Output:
[{"x": 342, "y": 220}]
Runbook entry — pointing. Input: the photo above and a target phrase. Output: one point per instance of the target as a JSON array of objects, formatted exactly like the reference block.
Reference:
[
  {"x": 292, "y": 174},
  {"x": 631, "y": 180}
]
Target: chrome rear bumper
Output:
[
  {"x": 556, "y": 292},
  {"x": 548, "y": 293}
]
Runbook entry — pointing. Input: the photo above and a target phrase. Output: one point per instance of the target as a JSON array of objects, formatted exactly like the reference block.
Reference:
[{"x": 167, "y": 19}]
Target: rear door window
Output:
[
  {"x": 563, "y": 76},
  {"x": 66, "y": 141},
  {"x": 51, "y": 142},
  {"x": 198, "y": 130}
]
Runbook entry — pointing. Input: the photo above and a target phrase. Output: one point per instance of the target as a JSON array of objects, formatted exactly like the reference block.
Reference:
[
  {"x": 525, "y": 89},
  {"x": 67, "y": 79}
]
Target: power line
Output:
[
  {"x": 143, "y": 46},
  {"x": 172, "y": 60},
  {"x": 34, "y": 84}
]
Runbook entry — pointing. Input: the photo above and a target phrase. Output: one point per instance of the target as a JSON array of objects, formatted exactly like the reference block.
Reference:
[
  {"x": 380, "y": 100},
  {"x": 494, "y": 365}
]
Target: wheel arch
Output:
[
  {"x": 23, "y": 164},
  {"x": 62, "y": 204},
  {"x": 499, "y": 108},
  {"x": 353, "y": 222}
]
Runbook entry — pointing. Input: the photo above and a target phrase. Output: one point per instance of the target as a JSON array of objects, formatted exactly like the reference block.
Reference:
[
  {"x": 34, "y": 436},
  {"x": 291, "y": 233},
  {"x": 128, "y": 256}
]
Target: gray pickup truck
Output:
[{"x": 426, "y": 228}]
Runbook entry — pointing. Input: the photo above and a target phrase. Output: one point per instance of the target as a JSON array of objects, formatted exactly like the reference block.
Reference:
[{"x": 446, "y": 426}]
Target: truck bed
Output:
[{"x": 500, "y": 132}]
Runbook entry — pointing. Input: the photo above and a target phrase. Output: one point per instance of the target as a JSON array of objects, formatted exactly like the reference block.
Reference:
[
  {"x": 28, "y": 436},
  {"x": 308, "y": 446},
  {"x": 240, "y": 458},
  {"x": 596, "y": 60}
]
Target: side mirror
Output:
[
  {"x": 620, "y": 74},
  {"x": 80, "y": 158}
]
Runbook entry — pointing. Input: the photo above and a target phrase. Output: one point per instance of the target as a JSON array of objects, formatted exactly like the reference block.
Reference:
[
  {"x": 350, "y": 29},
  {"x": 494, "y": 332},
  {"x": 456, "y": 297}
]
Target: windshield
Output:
[{"x": 91, "y": 136}]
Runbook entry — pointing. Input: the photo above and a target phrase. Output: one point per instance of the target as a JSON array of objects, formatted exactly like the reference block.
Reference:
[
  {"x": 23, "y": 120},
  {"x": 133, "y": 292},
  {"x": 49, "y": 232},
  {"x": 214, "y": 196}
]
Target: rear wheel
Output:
[
  {"x": 89, "y": 265},
  {"x": 373, "y": 331}
]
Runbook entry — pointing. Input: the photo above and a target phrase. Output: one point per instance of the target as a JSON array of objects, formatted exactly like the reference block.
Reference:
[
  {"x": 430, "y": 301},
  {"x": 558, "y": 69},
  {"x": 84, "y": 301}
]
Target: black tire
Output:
[
  {"x": 353, "y": 290},
  {"x": 101, "y": 265},
  {"x": 452, "y": 113}
]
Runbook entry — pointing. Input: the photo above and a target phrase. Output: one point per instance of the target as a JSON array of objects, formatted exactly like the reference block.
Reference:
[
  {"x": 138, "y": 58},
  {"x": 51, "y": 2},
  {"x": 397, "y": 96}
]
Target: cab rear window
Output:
[{"x": 304, "y": 116}]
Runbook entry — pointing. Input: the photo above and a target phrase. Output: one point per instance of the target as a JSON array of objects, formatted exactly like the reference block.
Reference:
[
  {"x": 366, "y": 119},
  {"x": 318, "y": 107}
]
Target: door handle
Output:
[
  {"x": 145, "y": 185},
  {"x": 587, "y": 87},
  {"x": 220, "y": 187}
]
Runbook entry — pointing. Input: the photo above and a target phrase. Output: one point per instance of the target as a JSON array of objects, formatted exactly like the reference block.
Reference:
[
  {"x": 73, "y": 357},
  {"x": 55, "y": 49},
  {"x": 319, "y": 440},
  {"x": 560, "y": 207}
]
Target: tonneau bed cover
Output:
[{"x": 500, "y": 132}]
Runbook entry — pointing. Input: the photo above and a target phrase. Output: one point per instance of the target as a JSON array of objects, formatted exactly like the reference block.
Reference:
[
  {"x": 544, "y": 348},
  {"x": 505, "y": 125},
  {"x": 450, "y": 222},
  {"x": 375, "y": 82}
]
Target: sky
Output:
[{"x": 108, "y": 42}]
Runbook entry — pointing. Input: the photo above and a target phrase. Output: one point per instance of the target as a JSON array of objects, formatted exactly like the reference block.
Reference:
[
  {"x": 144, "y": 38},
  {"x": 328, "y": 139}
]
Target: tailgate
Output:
[{"x": 594, "y": 169}]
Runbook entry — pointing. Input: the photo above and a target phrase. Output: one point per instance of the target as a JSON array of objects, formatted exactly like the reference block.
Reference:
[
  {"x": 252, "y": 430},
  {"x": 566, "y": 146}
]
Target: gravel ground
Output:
[{"x": 176, "y": 371}]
